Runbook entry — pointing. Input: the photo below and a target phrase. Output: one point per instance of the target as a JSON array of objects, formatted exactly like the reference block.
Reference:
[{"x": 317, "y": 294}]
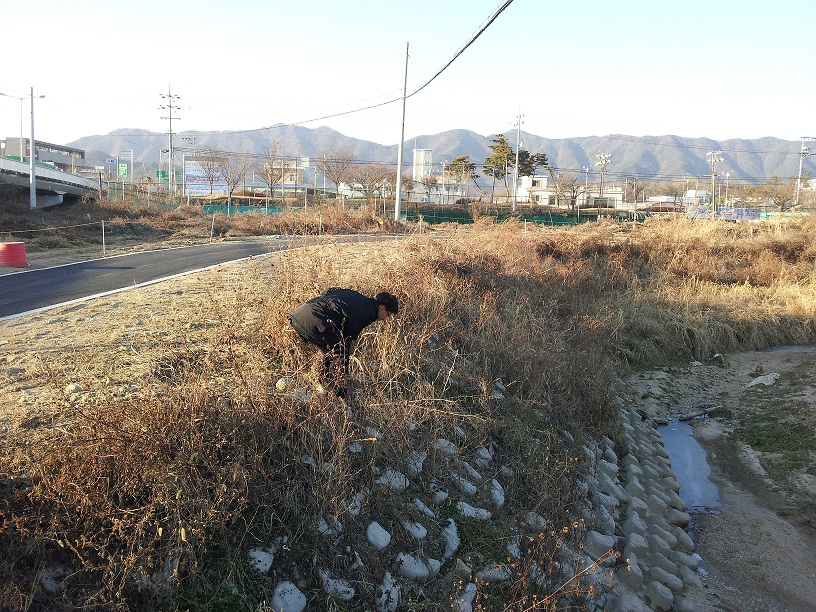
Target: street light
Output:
[{"x": 727, "y": 174}]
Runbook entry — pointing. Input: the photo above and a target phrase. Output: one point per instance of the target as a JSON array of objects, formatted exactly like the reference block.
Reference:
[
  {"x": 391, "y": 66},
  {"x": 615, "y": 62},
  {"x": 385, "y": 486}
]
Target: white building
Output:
[
  {"x": 423, "y": 163},
  {"x": 538, "y": 190},
  {"x": 697, "y": 196}
]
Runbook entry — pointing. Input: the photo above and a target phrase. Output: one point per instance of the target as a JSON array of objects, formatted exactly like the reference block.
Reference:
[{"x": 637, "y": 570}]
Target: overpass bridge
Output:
[{"x": 53, "y": 186}]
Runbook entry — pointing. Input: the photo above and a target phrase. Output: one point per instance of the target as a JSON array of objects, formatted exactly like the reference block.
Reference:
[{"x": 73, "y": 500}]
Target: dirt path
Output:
[{"x": 758, "y": 549}]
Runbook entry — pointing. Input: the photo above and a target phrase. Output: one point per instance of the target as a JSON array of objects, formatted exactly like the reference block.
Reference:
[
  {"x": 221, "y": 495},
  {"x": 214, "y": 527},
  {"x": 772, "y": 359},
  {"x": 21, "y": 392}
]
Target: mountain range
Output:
[{"x": 650, "y": 158}]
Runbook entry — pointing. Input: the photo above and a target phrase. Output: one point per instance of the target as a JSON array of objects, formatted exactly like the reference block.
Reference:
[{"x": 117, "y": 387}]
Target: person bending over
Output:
[{"x": 333, "y": 321}]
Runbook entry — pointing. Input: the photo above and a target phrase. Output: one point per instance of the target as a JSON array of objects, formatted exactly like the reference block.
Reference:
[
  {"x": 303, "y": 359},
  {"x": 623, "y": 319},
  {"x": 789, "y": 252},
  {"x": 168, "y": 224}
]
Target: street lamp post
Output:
[
  {"x": 586, "y": 189},
  {"x": 727, "y": 174},
  {"x": 32, "y": 181},
  {"x": 713, "y": 158},
  {"x": 515, "y": 167}
]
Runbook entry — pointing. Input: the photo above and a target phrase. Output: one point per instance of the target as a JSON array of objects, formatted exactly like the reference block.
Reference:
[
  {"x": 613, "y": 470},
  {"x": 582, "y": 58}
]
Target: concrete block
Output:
[
  {"x": 689, "y": 577},
  {"x": 678, "y": 518},
  {"x": 637, "y": 505},
  {"x": 670, "y": 538},
  {"x": 690, "y": 561},
  {"x": 657, "y": 560},
  {"x": 659, "y": 545},
  {"x": 667, "y": 579},
  {"x": 597, "y": 544},
  {"x": 634, "y": 524},
  {"x": 684, "y": 540},
  {"x": 659, "y": 595},
  {"x": 635, "y": 544},
  {"x": 630, "y": 575}
]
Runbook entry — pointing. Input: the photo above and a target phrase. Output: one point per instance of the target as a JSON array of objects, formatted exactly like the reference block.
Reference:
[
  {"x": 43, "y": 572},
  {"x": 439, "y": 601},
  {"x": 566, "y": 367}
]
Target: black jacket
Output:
[{"x": 334, "y": 320}]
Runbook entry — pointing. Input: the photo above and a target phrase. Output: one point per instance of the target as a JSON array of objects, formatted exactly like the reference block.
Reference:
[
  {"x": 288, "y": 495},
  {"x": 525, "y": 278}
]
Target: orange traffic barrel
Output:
[{"x": 13, "y": 254}]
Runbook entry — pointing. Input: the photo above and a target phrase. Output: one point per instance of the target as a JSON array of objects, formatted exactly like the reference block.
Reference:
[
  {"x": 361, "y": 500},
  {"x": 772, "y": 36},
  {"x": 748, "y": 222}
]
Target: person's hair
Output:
[{"x": 389, "y": 301}]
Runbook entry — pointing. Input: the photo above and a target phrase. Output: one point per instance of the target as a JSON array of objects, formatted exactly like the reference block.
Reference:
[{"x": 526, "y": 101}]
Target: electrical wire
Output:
[{"x": 472, "y": 40}]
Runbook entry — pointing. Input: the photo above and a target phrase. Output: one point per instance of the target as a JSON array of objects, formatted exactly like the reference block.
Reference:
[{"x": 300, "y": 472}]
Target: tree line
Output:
[{"x": 377, "y": 180}]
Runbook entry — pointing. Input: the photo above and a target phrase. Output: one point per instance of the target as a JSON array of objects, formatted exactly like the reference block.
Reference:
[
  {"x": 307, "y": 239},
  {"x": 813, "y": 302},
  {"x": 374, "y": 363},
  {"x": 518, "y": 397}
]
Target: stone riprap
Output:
[{"x": 635, "y": 552}]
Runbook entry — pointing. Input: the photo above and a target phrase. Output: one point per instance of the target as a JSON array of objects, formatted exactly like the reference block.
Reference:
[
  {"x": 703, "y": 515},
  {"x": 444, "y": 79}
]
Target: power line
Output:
[{"x": 472, "y": 40}]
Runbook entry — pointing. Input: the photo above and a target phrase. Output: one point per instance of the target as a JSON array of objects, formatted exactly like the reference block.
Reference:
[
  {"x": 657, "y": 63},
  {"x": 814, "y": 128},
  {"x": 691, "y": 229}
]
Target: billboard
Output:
[
  {"x": 203, "y": 176},
  {"x": 728, "y": 213}
]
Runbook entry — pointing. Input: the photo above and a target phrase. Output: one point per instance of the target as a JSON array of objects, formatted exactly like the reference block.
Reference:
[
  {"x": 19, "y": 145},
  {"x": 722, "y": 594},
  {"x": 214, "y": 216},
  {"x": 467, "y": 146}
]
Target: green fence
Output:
[{"x": 464, "y": 217}]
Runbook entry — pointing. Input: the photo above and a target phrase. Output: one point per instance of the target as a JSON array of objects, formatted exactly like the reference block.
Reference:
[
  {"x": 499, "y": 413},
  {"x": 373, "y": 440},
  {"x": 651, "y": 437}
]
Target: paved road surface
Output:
[
  {"x": 30, "y": 290},
  {"x": 38, "y": 289}
]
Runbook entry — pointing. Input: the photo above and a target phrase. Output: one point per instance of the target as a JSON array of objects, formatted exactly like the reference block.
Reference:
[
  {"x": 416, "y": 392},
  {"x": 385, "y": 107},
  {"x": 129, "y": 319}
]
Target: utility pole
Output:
[
  {"x": 802, "y": 153},
  {"x": 713, "y": 158},
  {"x": 32, "y": 168},
  {"x": 169, "y": 107},
  {"x": 603, "y": 160},
  {"x": 398, "y": 199},
  {"x": 515, "y": 169}
]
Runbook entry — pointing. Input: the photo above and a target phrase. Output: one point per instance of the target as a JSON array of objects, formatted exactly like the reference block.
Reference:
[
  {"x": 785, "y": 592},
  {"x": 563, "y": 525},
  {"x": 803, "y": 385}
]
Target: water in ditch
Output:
[{"x": 689, "y": 462}]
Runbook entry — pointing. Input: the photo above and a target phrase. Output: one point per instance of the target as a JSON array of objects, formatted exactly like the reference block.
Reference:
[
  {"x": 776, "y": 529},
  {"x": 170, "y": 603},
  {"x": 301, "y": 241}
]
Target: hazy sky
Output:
[{"x": 714, "y": 68}]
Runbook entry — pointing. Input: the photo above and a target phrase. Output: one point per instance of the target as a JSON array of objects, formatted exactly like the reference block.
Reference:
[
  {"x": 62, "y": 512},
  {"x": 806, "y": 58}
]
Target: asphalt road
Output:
[{"x": 38, "y": 289}]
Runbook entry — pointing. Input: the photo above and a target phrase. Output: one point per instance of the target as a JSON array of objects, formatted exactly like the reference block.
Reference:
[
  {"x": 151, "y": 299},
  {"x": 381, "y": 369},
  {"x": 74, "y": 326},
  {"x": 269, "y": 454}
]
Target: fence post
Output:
[
  {"x": 212, "y": 228},
  {"x": 103, "y": 237}
]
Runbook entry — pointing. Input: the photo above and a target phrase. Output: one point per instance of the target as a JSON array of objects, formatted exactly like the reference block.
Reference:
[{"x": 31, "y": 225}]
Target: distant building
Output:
[
  {"x": 61, "y": 157},
  {"x": 697, "y": 196},
  {"x": 536, "y": 189},
  {"x": 423, "y": 163}
]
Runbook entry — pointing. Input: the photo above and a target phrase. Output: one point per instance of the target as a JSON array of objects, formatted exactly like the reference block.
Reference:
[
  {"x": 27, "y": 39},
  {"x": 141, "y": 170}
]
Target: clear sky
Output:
[{"x": 698, "y": 68}]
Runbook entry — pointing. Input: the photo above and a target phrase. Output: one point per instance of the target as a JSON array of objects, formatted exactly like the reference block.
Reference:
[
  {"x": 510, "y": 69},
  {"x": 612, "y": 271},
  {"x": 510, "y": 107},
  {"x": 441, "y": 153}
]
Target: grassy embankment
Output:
[{"x": 200, "y": 459}]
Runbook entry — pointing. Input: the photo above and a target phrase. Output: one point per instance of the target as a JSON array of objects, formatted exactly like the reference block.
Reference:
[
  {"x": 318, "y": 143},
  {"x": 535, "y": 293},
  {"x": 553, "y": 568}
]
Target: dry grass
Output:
[
  {"x": 159, "y": 223},
  {"x": 150, "y": 489}
]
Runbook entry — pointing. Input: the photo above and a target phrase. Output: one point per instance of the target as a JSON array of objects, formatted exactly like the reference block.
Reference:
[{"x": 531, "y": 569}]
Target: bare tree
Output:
[
  {"x": 336, "y": 165},
  {"x": 676, "y": 189},
  {"x": 428, "y": 183},
  {"x": 370, "y": 177},
  {"x": 273, "y": 167},
  {"x": 634, "y": 187},
  {"x": 237, "y": 166},
  {"x": 781, "y": 194},
  {"x": 568, "y": 187}
]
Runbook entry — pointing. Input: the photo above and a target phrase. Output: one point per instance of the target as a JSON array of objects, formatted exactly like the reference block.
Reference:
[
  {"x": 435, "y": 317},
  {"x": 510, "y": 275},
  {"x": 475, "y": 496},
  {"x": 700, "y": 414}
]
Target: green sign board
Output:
[
  {"x": 123, "y": 170},
  {"x": 161, "y": 175}
]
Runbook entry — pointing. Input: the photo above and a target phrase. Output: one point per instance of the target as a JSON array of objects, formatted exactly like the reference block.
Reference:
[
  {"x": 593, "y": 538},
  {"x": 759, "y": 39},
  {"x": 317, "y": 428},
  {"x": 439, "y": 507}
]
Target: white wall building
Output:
[
  {"x": 423, "y": 163},
  {"x": 539, "y": 191}
]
